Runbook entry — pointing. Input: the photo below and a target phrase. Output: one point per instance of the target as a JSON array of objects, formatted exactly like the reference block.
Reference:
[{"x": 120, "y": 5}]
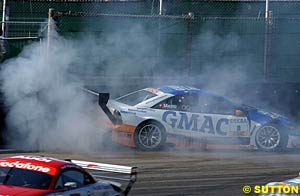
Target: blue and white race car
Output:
[
  {"x": 185, "y": 116},
  {"x": 290, "y": 187}
]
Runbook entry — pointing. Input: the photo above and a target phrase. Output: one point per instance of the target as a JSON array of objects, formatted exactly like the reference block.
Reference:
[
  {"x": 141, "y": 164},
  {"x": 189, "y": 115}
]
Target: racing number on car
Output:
[{"x": 239, "y": 126}]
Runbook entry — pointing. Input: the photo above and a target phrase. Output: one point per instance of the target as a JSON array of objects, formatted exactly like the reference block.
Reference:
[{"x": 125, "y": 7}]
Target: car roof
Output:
[
  {"x": 178, "y": 90},
  {"x": 35, "y": 163}
]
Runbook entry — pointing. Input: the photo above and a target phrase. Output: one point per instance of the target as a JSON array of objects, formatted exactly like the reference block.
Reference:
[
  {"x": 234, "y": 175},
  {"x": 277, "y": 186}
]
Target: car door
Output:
[
  {"x": 74, "y": 182},
  {"x": 178, "y": 115},
  {"x": 203, "y": 115},
  {"x": 220, "y": 117}
]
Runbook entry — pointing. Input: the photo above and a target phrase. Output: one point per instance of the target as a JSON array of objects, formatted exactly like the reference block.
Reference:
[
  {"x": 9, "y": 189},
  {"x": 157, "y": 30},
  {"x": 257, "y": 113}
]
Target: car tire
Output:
[
  {"x": 150, "y": 136},
  {"x": 271, "y": 137}
]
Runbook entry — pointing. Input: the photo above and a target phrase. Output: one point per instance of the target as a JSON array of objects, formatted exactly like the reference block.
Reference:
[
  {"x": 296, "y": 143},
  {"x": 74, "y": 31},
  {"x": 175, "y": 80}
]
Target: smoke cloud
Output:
[{"x": 47, "y": 110}]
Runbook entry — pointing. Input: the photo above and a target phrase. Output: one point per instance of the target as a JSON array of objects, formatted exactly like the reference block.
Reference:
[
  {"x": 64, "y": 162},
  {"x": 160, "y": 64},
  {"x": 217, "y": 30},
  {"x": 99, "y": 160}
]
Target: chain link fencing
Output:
[{"x": 189, "y": 37}]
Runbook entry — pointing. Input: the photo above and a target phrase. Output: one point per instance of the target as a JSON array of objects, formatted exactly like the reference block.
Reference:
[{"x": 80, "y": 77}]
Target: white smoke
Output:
[{"x": 47, "y": 110}]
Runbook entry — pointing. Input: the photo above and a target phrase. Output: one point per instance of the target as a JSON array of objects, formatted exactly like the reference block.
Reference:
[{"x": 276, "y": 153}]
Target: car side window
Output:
[
  {"x": 178, "y": 103},
  {"x": 72, "y": 175},
  {"x": 213, "y": 105},
  {"x": 167, "y": 104}
]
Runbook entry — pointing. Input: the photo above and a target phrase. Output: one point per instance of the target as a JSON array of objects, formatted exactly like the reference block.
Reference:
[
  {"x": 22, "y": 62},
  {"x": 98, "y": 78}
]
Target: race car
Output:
[
  {"x": 28, "y": 175},
  {"x": 289, "y": 187},
  {"x": 183, "y": 116}
]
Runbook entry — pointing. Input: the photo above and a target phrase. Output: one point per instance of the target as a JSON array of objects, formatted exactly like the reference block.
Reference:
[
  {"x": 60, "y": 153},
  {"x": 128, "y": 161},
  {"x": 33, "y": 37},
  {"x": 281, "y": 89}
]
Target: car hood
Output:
[
  {"x": 264, "y": 117},
  {"x": 9, "y": 190}
]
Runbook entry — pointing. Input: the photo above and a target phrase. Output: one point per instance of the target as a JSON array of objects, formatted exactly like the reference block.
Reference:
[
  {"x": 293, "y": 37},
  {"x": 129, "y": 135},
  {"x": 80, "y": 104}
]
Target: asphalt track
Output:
[{"x": 178, "y": 172}]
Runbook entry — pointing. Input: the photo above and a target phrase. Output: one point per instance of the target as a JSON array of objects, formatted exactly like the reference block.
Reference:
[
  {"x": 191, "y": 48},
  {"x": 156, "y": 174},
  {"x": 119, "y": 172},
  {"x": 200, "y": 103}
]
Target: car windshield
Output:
[
  {"x": 136, "y": 97},
  {"x": 24, "y": 178}
]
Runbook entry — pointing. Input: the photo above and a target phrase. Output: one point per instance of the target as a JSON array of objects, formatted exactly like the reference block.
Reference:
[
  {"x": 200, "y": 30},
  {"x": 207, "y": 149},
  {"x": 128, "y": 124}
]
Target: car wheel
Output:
[
  {"x": 271, "y": 138},
  {"x": 150, "y": 136}
]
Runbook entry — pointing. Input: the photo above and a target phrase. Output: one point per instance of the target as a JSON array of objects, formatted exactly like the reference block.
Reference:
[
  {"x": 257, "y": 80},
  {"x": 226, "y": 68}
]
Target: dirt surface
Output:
[{"x": 177, "y": 172}]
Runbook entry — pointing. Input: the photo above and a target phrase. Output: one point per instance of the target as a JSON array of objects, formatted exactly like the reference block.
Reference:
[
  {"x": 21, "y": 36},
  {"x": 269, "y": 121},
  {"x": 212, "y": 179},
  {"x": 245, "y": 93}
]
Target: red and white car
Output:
[{"x": 37, "y": 175}]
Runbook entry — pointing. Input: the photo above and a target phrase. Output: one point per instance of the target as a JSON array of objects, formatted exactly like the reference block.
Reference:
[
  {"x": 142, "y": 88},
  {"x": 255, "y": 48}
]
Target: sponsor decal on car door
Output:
[{"x": 208, "y": 125}]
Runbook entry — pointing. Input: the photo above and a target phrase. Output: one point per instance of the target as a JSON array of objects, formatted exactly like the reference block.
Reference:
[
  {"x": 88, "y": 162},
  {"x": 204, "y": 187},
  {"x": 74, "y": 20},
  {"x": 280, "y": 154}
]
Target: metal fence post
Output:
[
  {"x": 5, "y": 17},
  {"x": 50, "y": 28},
  {"x": 268, "y": 32},
  {"x": 160, "y": 12},
  {"x": 160, "y": 7},
  {"x": 267, "y": 10},
  {"x": 189, "y": 41}
]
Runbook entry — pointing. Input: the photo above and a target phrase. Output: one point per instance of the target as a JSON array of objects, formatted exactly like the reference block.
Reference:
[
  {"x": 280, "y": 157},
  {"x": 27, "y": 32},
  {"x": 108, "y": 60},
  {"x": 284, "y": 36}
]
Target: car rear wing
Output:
[
  {"x": 92, "y": 94},
  {"x": 131, "y": 171},
  {"x": 102, "y": 101}
]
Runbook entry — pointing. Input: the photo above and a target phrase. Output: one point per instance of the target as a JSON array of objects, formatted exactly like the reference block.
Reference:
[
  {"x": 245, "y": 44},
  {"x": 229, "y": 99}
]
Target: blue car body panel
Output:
[{"x": 259, "y": 116}]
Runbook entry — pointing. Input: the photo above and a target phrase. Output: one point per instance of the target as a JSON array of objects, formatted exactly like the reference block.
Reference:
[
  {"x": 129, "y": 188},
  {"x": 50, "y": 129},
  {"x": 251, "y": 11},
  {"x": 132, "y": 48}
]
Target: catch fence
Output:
[{"x": 191, "y": 37}]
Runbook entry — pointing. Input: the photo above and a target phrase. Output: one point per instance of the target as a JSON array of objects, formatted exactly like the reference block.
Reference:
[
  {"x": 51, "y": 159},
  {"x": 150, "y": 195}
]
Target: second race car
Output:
[
  {"x": 29, "y": 175},
  {"x": 185, "y": 116},
  {"x": 290, "y": 187}
]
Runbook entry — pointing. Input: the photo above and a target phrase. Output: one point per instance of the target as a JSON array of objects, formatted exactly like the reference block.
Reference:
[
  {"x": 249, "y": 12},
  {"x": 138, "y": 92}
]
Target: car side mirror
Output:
[
  {"x": 70, "y": 185},
  {"x": 239, "y": 112}
]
